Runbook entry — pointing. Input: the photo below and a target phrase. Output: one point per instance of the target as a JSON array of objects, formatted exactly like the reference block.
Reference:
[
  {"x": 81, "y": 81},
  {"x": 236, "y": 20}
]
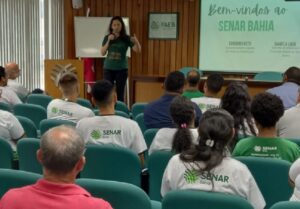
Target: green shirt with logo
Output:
[
  {"x": 116, "y": 53},
  {"x": 267, "y": 147},
  {"x": 192, "y": 94}
]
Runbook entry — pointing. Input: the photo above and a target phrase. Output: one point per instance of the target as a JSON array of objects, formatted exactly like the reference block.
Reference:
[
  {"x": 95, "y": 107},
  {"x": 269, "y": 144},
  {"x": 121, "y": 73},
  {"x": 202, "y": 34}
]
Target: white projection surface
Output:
[{"x": 249, "y": 35}]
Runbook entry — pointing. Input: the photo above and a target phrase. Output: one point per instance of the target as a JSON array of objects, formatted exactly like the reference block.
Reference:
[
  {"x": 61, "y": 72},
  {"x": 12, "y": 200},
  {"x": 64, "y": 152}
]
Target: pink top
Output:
[{"x": 48, "y": 195}]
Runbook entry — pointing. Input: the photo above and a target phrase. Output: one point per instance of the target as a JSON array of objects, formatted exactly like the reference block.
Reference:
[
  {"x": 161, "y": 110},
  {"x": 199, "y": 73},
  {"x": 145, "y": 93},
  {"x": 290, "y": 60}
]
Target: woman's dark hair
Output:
[
  {"x": 215, "y": 132},
  {"x": 236, "y": 100},
  {"x": 182, "y": 112},
  {"x": 123, "y": 32}
]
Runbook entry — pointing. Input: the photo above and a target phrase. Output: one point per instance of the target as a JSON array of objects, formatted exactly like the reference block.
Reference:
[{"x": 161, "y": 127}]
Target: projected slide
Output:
[{"x": 249, "y": 35}]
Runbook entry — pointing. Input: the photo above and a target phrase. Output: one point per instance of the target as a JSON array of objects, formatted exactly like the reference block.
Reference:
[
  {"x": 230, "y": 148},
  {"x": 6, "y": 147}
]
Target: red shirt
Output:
[{"x": 48, "y": 195}]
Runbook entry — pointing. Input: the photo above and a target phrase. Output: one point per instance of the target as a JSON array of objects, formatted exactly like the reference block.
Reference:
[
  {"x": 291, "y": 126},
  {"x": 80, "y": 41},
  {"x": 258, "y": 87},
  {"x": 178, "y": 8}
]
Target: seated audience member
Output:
[
  {"x": 61, "y": 155},
  {"x": 294, "y": 179},
  {"x": 236, "y": 100},
  {"x": 157, "y": 113},
  {"x": 110, "y": 128},
  {"x": 192, "y": 88},
  {"x": 288, "y": 91},
  {"x": 67, "y": 108},
  {"x": 266, "y": 109},
  {"x": 212, "y": 87},
  {"x": 6, "y": 94},
  {"x": 38, "y": 91},
  {"x": 288, "y": 126},
  {"x": 197, "y": 168},
  {"x": 10, "y": 128},
  {"x": 13, "y": 72},
  {"x": 182, "y": 137}
]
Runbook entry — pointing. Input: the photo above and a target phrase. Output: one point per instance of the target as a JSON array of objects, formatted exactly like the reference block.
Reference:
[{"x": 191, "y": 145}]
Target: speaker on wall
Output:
[{"x": 77, "y": 4}]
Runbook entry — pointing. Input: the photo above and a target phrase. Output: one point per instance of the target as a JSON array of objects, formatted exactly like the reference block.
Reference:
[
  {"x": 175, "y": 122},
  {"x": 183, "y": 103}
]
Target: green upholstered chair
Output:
[
  {"x": 6, "y": 107},
  {"x": 157, "y": 164},
  {"x": 149, "y": 135},
  {"x": 28, "y": 126},
  {"x": 47, "y": 124},
  {"x": 36, "y": 113},
  {"x": 39, "y": 99},
  {"x": 119, "y": 194},
  {"x": 271, "y": 176},
  {"x": 137, "y": 108},
  {"x": 27, "y": 148},
  {"x": 121, "y": 106},
  {"x": 268, "y": 76},
  {"x": 121, "y": 113},
  {"x": 111, "y": 162},
  {"x": 194, "y": 199},
  {"x": 140, "y": 120},
  {"x": 10, "y": 179},
  {"x": 6, "y": 154},
  {"x": 85, "y": 103},
  {"x": 286, "y": 205}
]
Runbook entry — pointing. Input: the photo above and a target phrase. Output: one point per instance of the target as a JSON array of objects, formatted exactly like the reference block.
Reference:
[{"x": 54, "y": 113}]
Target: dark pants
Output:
[{"x": 119, "y": 77}]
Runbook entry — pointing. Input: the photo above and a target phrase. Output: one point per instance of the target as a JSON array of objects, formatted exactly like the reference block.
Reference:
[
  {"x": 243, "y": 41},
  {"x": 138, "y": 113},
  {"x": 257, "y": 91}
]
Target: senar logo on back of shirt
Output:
[
  {"x": 97, "y": 134},
  {"x": 54, "y": 110},
  {"x": 191, "y": 176}
]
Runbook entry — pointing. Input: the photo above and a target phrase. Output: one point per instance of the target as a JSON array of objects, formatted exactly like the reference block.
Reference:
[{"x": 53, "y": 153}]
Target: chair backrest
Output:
[
  {"x": 10, "y": 179},
  {"x": 271, "y": 176},
  {"x": 110, "y": 162},
  {"x": 27, "y": 148},
  {"x": 157, "y": 164},
  {"x": 39, "y": 99},
  {"x": 36, "y": 113},
  {"x": 286, "y": 205},
  {"x": 47, "y": 124},
  {"x": 137, "y": 108},
  {"x": 121, "y": 113},
  {"x": 85, "y": 103},
  {"x": 268, "y": 76},
  {"x": 6, "y": 107},
  {"x": 121, "y": 106},
  {"x": 186, "y": 70},
  {"x": 28, "y": 126},
  {"x": 149, "y": 135},
  {"x": 120, "y": 195},
  {"x": 192, "y": 199},
  {"x": 6, "y": 154},
  {"x": 140, "y": 120}
]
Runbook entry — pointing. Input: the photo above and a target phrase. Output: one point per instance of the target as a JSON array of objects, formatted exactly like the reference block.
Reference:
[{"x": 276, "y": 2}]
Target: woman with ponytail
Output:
[
  {"x": 207, "y": 165},
  {"x": 181, "y": 138}
]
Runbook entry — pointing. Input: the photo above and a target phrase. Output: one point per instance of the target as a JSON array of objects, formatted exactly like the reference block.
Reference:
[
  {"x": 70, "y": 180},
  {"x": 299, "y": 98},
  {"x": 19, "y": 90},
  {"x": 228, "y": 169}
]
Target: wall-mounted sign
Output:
[{"x": 163, "y": 25}]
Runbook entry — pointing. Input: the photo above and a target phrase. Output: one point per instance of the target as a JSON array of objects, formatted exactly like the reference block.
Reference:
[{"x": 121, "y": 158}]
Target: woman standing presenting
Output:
[{"x": 115, "y": 44}]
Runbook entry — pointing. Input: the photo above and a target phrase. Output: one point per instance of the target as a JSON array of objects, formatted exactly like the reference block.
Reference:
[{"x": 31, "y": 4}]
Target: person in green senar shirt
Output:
[
  {"x": 192, "y": 87},
  {"x": 115, "y": 45},
  {"x": 267, "y": 109}
]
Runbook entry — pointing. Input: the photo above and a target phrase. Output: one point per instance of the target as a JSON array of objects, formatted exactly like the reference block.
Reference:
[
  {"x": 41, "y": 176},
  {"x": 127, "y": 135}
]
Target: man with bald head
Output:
[
  {"x": 61, "y": 155},
  {"x": 13, "y": 72},
  {"x": 192, "y": 85}
]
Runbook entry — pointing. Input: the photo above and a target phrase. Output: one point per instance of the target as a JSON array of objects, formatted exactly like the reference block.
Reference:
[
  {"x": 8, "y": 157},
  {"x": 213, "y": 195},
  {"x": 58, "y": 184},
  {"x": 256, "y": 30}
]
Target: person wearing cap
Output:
[{"x": 66, "y": 108}]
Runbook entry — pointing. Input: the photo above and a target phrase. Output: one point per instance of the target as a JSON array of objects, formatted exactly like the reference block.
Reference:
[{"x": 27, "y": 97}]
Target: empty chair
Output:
[
  {"x": 286, "y": 205},
  {"x": 268, "y": 76},
  {"x": 47, "y": 124},
  {"x": 27, "y": 148},
  {"x": 185, "y": 70},
  {"x": 157, "y": 163},
  {"x": 121, "y": 106},
  {"x": 36, "y": 113},
  {"x": 39, "y": 99},
  {"x": 4, "y": 106},
  {"x": 85, "y": 103},
  {"x": 10, "y": 179},
  {"x": 6, "y": 154},
  {"x": 195, "y": 199},
  {"x": 137, "y": 108},
  {"x": 120, "y": 195},
  {"x": 140, "y": 120},
  {"x": 111, "y": 162},
  {"x": 271, "y": 176},
  {"x": 28, "y": 126}
]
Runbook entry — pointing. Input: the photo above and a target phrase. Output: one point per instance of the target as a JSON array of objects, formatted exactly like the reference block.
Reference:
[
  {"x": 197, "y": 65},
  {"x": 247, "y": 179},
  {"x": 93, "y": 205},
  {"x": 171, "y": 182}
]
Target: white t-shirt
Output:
[
  {"x": 163, "y": 139},
  {"x": 231, "y": 177},
  {"x": 64, "y": 110},
  {"x": 295, "y": 177},
  {"x": 112, "y": 129},
  {"x": 20, "y": 90},
  {"x": 206, "y": 103},
  {"x": 9, "y": 96},
  {"x": 288, "y": 126},
  {"x": 10, "y": 128}
]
